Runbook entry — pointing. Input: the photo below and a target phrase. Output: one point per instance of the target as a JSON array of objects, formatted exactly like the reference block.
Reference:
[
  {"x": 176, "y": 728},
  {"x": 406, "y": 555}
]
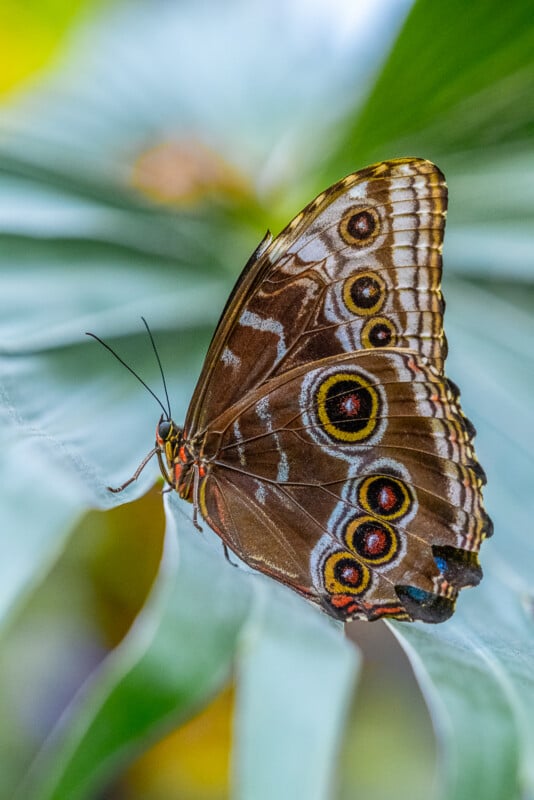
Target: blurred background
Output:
[{"x": 144, "y": 150}]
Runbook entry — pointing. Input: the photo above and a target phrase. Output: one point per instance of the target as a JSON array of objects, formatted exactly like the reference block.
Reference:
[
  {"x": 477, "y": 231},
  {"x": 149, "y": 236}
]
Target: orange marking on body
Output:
[
  {"x": 182, "y": 455},
  {"x": 177, "y": 472},
  {"x": 202, "y": 470}
]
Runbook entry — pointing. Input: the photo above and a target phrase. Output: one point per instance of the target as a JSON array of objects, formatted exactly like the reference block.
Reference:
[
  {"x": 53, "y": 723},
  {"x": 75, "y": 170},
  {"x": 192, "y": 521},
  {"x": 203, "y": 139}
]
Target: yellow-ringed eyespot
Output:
[
  {"x": 364, "y": 293},
  {"x": 379, "y": 332},
  {"x": 384, "y": 496},
  {"x": 359, "y": 226},
  {"x": 347, "y": 407},
  {"x": 344, "y": 574},
  {"x": 372, "y": 540}
]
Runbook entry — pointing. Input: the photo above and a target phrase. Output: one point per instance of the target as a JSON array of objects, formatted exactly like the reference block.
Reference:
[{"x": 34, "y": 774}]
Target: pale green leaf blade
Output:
[{"x": 295, "y": 680}]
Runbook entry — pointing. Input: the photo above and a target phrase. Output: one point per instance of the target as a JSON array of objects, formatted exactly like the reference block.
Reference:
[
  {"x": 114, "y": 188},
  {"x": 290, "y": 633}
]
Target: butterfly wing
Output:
[
  {"x": 358, "y": 268},
  {"x": 340, "y": 462},
  {"x": 354, "y": 481}
]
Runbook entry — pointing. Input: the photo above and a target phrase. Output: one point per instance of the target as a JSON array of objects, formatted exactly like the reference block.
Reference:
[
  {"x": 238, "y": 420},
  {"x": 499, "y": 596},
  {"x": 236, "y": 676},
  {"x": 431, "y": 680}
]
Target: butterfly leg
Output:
[
  {"x": 163, "y": 469},
  {"x": 136, "y": 474},
  {"x": 196, "y": 482},
  {"x": 227, "y": 556}
]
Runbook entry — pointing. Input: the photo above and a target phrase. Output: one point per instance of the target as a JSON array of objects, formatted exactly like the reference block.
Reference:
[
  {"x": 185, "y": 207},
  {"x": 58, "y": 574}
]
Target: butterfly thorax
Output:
[{"x": 179, "y": 458}]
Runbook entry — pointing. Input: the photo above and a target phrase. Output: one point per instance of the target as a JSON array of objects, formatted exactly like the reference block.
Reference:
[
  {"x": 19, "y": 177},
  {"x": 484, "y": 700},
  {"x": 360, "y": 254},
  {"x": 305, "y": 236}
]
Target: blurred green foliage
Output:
[{"x": 136, "y": 176}]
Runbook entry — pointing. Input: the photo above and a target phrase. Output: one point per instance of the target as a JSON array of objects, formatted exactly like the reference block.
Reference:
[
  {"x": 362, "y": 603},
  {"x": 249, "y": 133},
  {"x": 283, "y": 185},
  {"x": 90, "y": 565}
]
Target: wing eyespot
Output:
[
  {"x": 378, "y": 332},
  {"x": 344, "y": 574},
  {"x": 385, "y": 496},
  {"x": 372, "y": 540},
  {"x": 359, "y": 227},
  {"x": 364, "y": 293},
  {"x": 347, "y": 407}
]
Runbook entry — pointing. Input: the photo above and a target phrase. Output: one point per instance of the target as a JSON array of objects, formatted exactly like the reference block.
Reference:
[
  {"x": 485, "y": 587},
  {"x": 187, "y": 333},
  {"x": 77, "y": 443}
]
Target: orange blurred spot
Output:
[{"x": 185, "y": 172}]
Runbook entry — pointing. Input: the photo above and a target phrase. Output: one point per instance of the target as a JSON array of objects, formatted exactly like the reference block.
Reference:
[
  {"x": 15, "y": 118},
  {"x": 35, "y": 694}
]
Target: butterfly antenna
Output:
[
  {"x": 159, "y": 364},
  {"x": 124, "y": 364}
]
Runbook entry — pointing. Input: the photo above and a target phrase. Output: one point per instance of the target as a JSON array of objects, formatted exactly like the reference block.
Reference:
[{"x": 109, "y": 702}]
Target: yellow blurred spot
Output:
[
  {"x": 30, "y": 34},
  {"x": 185, "y": 172},
  {"x": 124, "y": 547},
  {"x": 192, "y": 763}
]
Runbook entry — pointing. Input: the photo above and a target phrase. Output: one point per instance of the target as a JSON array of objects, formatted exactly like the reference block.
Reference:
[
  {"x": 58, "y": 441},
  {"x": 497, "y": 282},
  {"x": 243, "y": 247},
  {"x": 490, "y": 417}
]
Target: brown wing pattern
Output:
[
  {"x": 354, "y": 480},
  {"x": 359, "y": 268},
  {"x": 338, "y": 459}
]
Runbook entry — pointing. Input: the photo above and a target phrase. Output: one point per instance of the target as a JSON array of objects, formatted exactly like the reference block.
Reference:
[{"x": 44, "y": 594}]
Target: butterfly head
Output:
[
  {"x": 164, "y": 431},
  {"x": 168, "y": 439},
  {"x": 175, "y": 457}
]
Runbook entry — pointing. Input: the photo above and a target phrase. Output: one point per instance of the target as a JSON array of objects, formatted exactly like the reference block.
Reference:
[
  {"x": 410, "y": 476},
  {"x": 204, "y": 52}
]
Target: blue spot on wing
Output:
[
  {"x": 441, "y": 564},
  {"x": 419, "y": 595}
]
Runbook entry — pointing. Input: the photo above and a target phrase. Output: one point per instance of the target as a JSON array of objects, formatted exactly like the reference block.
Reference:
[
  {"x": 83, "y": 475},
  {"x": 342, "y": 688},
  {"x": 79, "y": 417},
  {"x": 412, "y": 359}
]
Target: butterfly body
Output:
[
  {"x": 181, "y": 461},
  {"x": 323, "y": 443}
]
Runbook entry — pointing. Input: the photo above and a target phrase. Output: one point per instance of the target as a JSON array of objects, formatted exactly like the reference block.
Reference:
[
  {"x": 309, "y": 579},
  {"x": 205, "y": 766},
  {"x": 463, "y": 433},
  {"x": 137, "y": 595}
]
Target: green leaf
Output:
[
  {"x": 459, "y": 77},
  {"x": 295, "y": 681},
  {"x": 93, "y": 288},
  {"x": 490, "y": 230},
  {"x": 179, "y": 652},
  {"x": 30, "y": 538}
]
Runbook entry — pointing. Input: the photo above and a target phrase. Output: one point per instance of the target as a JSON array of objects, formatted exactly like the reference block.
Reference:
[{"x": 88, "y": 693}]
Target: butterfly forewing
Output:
[{"x": 359, "y": 268}]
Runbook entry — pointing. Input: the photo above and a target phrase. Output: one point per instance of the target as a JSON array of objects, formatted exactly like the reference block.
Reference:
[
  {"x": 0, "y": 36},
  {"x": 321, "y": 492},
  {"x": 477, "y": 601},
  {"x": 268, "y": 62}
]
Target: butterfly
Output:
[{"x": 323, "y": 443}]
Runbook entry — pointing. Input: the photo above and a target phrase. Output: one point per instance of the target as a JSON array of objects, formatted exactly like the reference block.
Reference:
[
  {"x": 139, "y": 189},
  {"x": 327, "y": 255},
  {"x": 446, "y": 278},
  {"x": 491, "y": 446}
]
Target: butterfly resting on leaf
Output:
[{"x": 323, "y": 442}]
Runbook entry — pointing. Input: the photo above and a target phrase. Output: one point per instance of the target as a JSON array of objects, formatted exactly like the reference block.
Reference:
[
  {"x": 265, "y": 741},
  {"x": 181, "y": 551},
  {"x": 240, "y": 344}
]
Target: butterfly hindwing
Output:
[{"x": 361, "y": 450}]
